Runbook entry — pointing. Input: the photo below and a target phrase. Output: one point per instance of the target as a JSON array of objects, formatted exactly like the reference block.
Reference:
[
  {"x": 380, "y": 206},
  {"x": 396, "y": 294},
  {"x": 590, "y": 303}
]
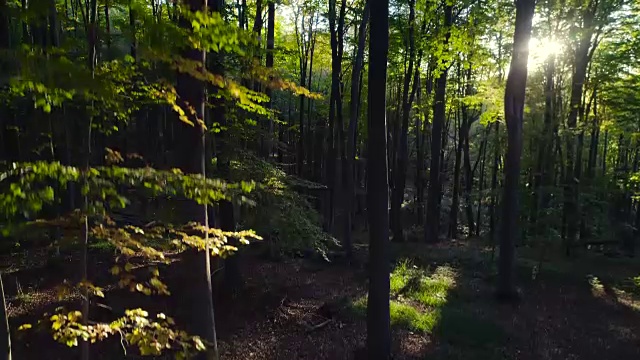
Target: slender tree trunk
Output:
[
  {"x": 469, "y": 173},
  {"x": 107, "y": 22},
  {"x": 542, "y": 178},
  {"x": 455, "y": 203},
  {"x": 514, "y": 110},
  {"x": 91, "y": 42},
  {"x": 335, "y": 103},
  {"x": 581, "y": 61},
  {"x": 378, "y": 320},
  {"x": 402, "y": 160},
  {"x": 435, "y": 186},
  {"x": 132, "y": 28},
  {"x": 269, "y": 63},
  {"x": 192, "y": 158},
  {"x": 422, "y": 134},
  {"x": 54, "y": 26},
  {"x": 350, "y": 197},
  {"x": 481, "y": 183},
  {"x": 309, "y": 151},
  {"x": 5, "y": 34},
  {"x": 5, "y": 335},
  {"x": 594, "y": 137},
  {"x": 25, "y": 28}
]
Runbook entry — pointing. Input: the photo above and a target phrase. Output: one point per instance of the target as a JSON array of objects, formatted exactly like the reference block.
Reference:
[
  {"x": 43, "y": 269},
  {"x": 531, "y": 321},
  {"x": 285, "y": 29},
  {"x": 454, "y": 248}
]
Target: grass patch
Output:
[
  {"x": 410, "y": 282},
  {"x": 403, "y": 315},
  {"x": 423, "y": 301}
]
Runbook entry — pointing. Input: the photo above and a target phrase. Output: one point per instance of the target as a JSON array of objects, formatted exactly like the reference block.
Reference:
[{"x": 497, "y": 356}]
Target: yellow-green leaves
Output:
[{"x": 150, "y": 336}]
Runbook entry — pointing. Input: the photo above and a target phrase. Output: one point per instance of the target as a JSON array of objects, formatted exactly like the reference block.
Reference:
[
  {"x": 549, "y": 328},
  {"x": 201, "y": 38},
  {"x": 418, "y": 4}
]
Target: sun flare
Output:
[{"x": 541, "y": 49}]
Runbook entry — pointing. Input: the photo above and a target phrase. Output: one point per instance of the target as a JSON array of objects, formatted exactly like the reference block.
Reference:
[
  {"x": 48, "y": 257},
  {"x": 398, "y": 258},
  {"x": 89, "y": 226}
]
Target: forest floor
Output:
[{"x": 442, "y": 307}]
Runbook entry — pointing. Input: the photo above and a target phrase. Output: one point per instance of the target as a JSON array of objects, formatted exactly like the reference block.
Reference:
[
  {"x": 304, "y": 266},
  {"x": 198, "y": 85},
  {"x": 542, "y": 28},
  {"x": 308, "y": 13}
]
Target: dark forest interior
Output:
[{"x": 304, "y": 179}]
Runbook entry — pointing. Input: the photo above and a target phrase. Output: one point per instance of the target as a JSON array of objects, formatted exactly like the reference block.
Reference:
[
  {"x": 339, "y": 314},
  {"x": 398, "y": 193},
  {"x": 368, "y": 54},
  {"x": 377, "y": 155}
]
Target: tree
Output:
[
  {"x": 378, "y": 319},
  {"x": 192, "y": 161},
  {"x": 514, "y": 101},
  {"x": 354, "y": 104},
  {"x": 432, "y": 224}
]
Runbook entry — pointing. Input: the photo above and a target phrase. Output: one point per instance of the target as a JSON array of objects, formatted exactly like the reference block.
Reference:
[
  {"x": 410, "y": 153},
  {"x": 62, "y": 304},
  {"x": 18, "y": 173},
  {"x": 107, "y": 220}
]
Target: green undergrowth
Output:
[
  {"x": 283, "y": 214},
  {"x": 427, "y": 301}
]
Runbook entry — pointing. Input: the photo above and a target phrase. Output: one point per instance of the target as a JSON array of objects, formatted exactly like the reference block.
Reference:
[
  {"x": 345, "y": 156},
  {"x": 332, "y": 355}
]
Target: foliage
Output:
[
  {"x": 151, "y": 336},
  {"x": 282, "y": 212}
]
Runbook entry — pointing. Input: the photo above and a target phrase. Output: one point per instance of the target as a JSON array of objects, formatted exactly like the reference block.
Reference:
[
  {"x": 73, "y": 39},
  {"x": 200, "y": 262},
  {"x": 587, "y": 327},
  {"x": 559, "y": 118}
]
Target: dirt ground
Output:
[{"x": 299, "y": 309}]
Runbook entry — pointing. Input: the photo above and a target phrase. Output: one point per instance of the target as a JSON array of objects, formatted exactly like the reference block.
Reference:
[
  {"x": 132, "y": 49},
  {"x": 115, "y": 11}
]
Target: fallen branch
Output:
[{"x": 311, "y": 328}]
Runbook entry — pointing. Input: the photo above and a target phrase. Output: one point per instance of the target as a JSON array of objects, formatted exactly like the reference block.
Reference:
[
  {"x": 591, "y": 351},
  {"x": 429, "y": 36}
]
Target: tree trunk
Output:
[
  {"x": 469, "y": 173},
  {"x": 192, "y": 160},
  {"x": 5, "y": 336},
  {"x": 481, "y": 183},
  {"x": 91, "y": 58},
  {"x": 309, "y": 139},
  {"x": 107, "y": 23},
  {"x": 132, "y": 28},
  {"x": 594, "y": 137},
  {"x": 542, "y": 178},
  {"x": 353, "y": 127},
  {"x": 269, "y": 63},
  {"x": 432, "y": 224},
  {"x": 5, "y": 34},
  {"x": 378, "y": 320},
  {"x": 455, "y": 202},
  {"x": 581, "y": 62},
  {"x": 422, "y": 135},
  {"x": 514, "y": 109},
  {"x": 335, "y": 104},
  {"x": 402, "y": 154}
]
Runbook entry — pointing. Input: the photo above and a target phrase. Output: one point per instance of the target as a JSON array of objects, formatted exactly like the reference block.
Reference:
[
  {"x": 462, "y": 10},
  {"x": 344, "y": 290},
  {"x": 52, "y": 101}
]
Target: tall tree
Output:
[
  {"x": 192, "y": 160},
  {"x": 432, "y": 224},
  {"x": 402, "y": 151},
  {"x": 589, "y": 33},
  {"x": 378, "y": 319},
  {"x": 356, "y": 75},
  {"x": 514, "y": 111},
  {"x": 336, "y": 131}
]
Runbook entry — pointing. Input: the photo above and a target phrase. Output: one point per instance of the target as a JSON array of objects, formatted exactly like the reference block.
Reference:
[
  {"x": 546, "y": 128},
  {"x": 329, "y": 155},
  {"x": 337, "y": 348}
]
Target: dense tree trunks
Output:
[
  {"x": 378, "y": 321},
  {"x": 402, "y": 152},
  {"x": 354, "y": 105},
  {"x": 432, "y": 223},
  {"x": 514, "y": 110},
  {"x": 544, "y": 167},
  {"x": 257, "y": 20},
  {"x": 581, "y": 63},
  {"x": 336, "y": 25}
]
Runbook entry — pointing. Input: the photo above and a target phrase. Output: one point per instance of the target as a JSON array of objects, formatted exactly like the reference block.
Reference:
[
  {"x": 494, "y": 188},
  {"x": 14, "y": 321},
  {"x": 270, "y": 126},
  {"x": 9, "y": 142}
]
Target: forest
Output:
[{"x": 311, "y": 179}]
